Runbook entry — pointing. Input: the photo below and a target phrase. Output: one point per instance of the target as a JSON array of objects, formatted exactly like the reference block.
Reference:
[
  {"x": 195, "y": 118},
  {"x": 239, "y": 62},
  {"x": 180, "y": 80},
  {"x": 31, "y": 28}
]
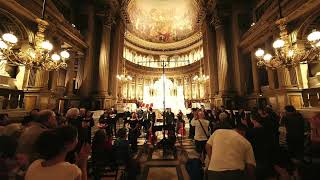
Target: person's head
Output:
[
  {"x": 195, "y": 114},
  {"x": 52, "y": 143},
  {"x": 82, "y": 112},
  {"x": 289, "y": 109},
  {"x": 134, "y": 115},
  {"x": 222, "y": 108},
  {"x": 201, "y": 114},
  {"x": 241, "y": 129},
  {"x": 255, "y": 119},
  {"x": 122, "y": 133},
  {"x": 262, "y": 111},
  {"x": 89, "y": 114},
  {"x": 223, "y": 116},
  {"x": 202, "y": 107},
  {"x": 99, "y": 137},
  {"x": 48, "y": 118},
  {"x": 72, "y": 113},
  {"x": 34, "y": 112}
]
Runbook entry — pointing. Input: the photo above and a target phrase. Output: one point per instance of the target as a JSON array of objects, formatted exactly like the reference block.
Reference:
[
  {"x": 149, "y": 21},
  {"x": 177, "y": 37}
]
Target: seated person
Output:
[{"x": 53, "y": 147}]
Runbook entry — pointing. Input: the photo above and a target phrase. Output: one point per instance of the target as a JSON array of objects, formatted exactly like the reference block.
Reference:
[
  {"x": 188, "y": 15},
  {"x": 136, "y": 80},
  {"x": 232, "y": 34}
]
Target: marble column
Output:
[
  {"x": 54, "y": 78},
  {"x": 239, "y": 67},
  {"x": 104, "y": 59},
  {"x": 87, "y": 84},
  {"x": 61, "y": 79},
  {"x": 210, "y": 60},
  {"x": 222, "y": 56},
  {"x": 271, "y": 78},
  {"x": 41, "y": 81},
  {"x": 284, "y": 78},
  {"x": 116, "y": 58},
  {"x": 255, "y": 74},
  {"x": 69, "y": 78}
]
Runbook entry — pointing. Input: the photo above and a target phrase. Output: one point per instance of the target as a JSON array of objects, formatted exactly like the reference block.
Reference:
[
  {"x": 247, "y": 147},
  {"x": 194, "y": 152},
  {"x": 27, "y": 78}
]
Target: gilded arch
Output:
[
  {"x": 310, "y": 23},
  {"x": 10, "y": 23}
]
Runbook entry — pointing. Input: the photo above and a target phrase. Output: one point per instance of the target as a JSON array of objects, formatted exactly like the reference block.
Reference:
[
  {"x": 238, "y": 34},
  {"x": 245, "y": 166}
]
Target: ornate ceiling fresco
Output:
[{"x": 163, "y": 21}]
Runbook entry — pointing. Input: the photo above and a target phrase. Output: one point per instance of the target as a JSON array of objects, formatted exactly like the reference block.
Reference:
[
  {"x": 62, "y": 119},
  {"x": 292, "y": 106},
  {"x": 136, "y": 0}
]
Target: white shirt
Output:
[
  {"x": 63, "y": 171},
  {"x": 199, "y": 133},
  {"x": 230, "y": 151}
]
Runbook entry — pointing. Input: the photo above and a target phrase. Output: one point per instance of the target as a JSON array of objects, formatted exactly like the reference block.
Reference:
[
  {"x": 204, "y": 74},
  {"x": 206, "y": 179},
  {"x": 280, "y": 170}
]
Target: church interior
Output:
[{"x": 146, "y": 73}]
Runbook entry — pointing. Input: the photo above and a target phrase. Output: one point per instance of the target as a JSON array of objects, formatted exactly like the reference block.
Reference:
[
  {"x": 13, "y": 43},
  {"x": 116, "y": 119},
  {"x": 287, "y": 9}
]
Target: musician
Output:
[
  {"x": 148, "y": 120},
  {"x": 114, "y": 119},
  {"x": 134, "y": 131},
  {"x": 87, "y": 124},
  {"x": 105, "y": 122},
  {"x": 181, "y": 122},
  {"x": 169, "y": 119}
]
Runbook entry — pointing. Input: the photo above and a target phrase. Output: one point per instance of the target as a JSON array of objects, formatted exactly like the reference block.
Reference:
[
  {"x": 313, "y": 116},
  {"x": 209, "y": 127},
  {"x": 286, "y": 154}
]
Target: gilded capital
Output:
[
  {"x": 216, "y": 21},
  {"x": 108, "y": 20}
]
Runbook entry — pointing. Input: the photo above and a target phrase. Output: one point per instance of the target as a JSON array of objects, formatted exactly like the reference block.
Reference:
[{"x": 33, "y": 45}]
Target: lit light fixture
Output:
[
  {"x": 38, "y": 54},
  {"x": 286, "y": 54},
  {"x": 124, "y": 77},
  {"x": 252, "y": 24},
  {"x": 201, "y": 78}
]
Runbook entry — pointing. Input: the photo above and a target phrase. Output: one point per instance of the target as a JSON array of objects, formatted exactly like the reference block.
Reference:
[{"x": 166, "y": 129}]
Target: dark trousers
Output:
[
  {"x": 226, "y": 175},
  {"x": 114, "y": 126},
  {"x": 296, "y": 147}
]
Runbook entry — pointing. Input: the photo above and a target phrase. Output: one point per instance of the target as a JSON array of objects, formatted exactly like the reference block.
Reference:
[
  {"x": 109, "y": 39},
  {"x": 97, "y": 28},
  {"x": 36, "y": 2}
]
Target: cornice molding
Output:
[
  {"x": 163, "y": 46},
  {"x": 135, "y": 69},
  {"x": 166, "y": 52}
]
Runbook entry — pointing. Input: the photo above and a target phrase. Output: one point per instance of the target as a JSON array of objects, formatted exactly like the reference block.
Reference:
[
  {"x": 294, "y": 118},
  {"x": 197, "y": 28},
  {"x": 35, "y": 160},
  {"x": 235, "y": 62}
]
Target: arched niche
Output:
[
  {"x": 10, "y": 23},
  {"x": 310, "y": 23}
]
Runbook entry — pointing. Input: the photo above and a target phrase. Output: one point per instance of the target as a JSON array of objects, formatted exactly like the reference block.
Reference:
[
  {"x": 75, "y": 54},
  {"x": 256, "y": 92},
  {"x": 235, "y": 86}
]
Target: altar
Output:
[{"x": 164, "y": 93}]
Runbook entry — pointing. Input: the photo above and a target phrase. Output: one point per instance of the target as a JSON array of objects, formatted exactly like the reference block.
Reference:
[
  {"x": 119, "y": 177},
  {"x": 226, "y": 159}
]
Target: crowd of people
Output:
[
  {"x": 245, "y": 145},
  {"x": 46, "y": 145},
  {"x": 231, "y": 144}
]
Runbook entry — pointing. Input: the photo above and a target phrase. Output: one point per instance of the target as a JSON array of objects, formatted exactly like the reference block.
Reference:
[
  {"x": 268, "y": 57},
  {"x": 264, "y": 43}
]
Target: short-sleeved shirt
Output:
[
  {"x": 200, "y": 135},
  {"x": 63, "y": 170},
  {"x": 230, "y": 151}
]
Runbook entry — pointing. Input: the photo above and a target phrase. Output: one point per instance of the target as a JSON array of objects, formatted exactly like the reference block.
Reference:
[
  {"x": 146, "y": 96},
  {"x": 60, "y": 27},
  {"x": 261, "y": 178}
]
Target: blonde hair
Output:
[{"x": 72, "y": 113}]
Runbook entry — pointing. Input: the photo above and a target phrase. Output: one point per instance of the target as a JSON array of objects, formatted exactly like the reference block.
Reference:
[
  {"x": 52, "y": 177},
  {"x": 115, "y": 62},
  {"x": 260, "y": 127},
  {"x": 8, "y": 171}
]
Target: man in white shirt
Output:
[
  {"x": 230, "y": 154},
  {"x": 201, "y": 133}
]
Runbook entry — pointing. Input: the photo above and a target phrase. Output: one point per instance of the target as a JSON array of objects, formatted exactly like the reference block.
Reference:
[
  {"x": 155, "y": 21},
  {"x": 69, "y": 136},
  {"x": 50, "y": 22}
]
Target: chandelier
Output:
[
  {"x": 124, "y": 77},
  {"x": 286, "y": 54},
  {"x": 38, "y": 54},
  {"x": 201, "y": 78}
]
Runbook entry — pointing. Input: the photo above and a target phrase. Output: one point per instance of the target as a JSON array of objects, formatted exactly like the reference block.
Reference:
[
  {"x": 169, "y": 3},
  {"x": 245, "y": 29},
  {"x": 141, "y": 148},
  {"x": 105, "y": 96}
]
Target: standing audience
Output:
[
  {"x": 230, "y": 155},
  {"x": 45, "y": 120},
  {"x": 201, "y": 133},
  {"x": 294, "y": 124},
  {"x": 53, "y": 147}
]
